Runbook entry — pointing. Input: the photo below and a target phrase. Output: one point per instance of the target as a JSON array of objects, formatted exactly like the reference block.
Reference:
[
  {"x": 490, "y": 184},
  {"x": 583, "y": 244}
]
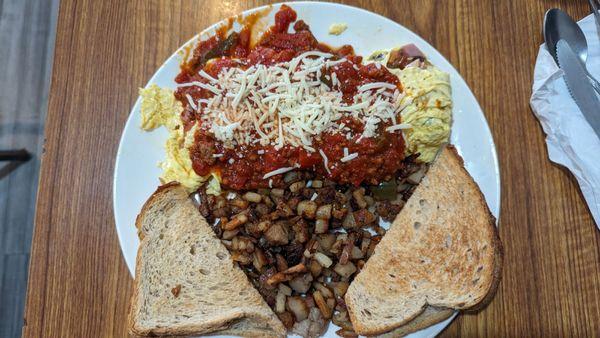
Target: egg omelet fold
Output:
[
  {"x": 428, "y": 110},
  {"x": 160, "y": 108},
  {"x": 428, "y": 105}
]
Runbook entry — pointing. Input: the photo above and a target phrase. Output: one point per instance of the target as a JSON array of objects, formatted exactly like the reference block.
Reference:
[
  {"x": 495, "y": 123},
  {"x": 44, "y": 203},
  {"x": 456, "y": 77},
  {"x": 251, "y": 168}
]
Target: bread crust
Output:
[
  {"x": 428, "y": 317},
  {"x": 372, "y": 329},
  {"x": 496, "y": 242},
  {"x": 267, "y": 325},
  {"x": 155, "y": 195}
]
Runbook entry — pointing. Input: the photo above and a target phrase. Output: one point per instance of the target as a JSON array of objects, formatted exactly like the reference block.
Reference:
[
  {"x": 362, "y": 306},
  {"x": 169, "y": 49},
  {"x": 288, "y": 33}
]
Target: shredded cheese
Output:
[
  {"x": 325, "y": 161},
  {"x": 191, "y": 101},
  {"x": 399, "y": 126},
  {"x": 288, "y": 104},
  {"x": 349, "y": 157},
  {"x": 278, "y": 172}
]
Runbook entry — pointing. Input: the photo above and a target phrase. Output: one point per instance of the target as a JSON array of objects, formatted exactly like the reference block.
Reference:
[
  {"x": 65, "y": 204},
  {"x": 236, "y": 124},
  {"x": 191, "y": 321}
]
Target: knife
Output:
[{"x": 579, "y": 86}]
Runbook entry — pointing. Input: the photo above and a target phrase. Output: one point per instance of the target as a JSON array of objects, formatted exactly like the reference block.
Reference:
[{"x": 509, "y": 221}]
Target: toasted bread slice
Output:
[
  {"x": 442, "y": 250},
  {"x": 186, "y": 281},
  {"x": 431, "y": 315}
]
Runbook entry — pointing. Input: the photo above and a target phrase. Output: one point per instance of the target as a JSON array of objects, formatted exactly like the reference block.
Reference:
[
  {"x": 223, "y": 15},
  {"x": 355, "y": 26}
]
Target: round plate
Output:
[{"x": 136, "y": 172}]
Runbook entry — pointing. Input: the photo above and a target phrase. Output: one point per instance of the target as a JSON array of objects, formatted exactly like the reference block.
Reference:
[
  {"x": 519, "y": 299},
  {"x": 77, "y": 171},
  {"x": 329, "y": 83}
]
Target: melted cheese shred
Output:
[{"x": 288, "y": 104}]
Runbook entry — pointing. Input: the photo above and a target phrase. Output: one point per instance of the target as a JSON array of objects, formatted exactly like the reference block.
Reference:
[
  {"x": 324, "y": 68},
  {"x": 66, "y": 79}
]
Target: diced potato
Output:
[
  {"x": 315, "y": 268},
  {"x": 326, "y": 241},
  {"x": 277, "y": 234},
  {"x": 297, "y": 186},
  {"x": 298, "y": 268},
  {"x": 260, "y": 259},
  {"x": 340, "y": 288},
  {"x": 325, "y": 291},
  {"x": 307, "y": 209},
  {"x": 416, "y": 177},
  {"x": 252, "y": 197},
  {"x": 321, "y": 226},
  {"x": 235, "y": 222},
  {"x": 280, "y": 302},
  {"x": 298, "y": 307},
  {"x": 322, "y": 304},
  {"x": 239, "y": 203},
  {"x": 363, "y": 217},
  {"x": 280, "y": 263},
  {"x": 229, "y": 234},
  {"x": 301, "y": 283},
  {"x": 324, "y": 212},
  {"x": 356, "y": 253},
  {"x": 349, "y": 221},
  {"x": 359, "y": 197},
  {"x": 275, "y": 192},
  {"x": 345, "y": 270},
  {"x": 323, "y": 260},
  {"x": 286, "y": 290},
  {"x": 287, "y": 319}
]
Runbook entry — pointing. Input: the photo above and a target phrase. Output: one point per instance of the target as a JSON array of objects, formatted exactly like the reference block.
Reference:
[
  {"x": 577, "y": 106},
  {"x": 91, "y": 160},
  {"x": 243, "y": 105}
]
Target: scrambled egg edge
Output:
[
  {"x": 428, "y": 104},
  {"x": 160, "y": 108}
]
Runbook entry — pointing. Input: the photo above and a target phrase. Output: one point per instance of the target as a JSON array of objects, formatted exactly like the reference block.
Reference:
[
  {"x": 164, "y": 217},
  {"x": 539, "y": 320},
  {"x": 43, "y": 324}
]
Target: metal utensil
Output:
[
  {"x": 580, "y": 88},
  {"x": 595, "y": 4},
  {"x": 559, "y": 25}
]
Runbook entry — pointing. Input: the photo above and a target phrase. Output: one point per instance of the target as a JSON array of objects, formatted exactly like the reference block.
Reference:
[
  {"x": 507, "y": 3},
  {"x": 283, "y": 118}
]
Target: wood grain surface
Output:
[{"x": 79, "y": 284}]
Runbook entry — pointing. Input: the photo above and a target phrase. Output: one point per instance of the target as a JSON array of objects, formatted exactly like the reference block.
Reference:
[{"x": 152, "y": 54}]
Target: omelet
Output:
[
  {"x": 428, "y": 106},
  {"x": 160, "y": 108}
]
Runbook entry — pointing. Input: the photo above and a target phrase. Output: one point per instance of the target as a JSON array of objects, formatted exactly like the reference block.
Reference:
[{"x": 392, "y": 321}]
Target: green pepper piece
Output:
[{"x": 385, "y": 190}]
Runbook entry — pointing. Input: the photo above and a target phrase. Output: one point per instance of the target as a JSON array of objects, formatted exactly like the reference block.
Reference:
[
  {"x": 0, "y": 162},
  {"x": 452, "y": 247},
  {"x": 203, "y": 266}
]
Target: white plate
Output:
[{"x": 136, "y": 172}]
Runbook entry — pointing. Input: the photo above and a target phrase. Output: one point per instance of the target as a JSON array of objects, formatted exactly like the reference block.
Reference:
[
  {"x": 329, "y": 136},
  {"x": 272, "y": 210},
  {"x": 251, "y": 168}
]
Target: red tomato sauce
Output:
[{"x": 244, "y": 167}]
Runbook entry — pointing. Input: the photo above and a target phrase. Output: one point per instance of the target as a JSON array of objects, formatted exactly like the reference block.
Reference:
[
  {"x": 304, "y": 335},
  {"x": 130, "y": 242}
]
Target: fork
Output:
[{"x": 595, "y": 4}]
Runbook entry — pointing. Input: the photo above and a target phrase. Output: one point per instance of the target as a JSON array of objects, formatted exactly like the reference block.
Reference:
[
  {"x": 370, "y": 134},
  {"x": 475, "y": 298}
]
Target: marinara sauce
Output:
[{"x": 245, "y": 166}]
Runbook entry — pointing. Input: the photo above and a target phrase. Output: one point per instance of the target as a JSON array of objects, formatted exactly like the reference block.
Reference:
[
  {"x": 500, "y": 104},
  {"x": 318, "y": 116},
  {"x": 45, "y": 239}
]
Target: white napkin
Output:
[{"x": 570, "y": 139}]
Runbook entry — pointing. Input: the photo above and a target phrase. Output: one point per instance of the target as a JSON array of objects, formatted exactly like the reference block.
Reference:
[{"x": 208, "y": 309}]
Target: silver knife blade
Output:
[{"x": 579, "y": 86}]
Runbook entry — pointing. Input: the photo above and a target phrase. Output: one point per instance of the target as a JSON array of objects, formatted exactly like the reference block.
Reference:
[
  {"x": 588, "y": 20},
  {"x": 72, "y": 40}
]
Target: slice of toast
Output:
[
  {"x": 431, "y": 315},
  {"x": 186, "y": 282},
  {"x": 442, "y": 250}
]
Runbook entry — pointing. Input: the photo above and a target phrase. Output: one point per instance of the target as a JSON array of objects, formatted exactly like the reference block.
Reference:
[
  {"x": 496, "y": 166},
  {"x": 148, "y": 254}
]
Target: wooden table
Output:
[{"x": 79, "y": 284}]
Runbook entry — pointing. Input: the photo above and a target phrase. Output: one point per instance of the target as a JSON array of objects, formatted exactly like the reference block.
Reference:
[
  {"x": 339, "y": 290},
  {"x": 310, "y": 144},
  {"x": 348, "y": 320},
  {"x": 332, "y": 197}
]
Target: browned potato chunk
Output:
[
  {"x": 307, "y": 209},
  {"x": 287, "y": 319},
  {"x": 301, "y": 283},
  {"x": 364, "y": 217},
  {"x": 298, "y": 307},
  {"x": 277, "y": 234}
]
